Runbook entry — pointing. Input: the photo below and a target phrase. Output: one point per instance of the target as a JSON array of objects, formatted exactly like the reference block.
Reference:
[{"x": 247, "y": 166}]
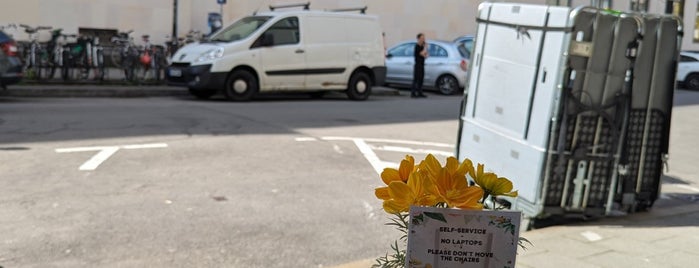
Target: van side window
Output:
[{"x": 285, "y": 32}]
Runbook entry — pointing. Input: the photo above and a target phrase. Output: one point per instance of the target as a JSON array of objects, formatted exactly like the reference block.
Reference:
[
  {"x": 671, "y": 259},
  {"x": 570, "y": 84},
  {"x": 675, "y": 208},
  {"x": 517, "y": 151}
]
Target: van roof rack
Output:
[
  {"x": 305, "y": 6},
  {"x": 360, "y": 9}
]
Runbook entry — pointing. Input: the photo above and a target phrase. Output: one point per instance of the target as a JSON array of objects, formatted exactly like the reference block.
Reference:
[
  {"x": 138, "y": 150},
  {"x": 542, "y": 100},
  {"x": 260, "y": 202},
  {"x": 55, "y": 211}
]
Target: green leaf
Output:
[{"x": 436, "y": 216}]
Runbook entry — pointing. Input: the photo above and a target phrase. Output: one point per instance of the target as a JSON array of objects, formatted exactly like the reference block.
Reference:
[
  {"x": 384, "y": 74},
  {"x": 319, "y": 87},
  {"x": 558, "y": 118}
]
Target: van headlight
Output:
[{"x": 210, "y": 54}]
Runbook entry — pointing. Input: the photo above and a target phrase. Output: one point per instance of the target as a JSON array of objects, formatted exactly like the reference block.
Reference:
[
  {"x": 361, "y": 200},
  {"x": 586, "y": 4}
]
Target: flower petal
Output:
[
  {"x": 382, "y": 193},
  {"x": 400, "y": 191},
  {"x": 407, "y": 166},
  {"x": 394, "y": 207},
  {"x": 465, "y": 167},
  {"x": 501, "y": 185},
  {"x": 390, "y": 175},
  {"x": 431, "y": 164}
]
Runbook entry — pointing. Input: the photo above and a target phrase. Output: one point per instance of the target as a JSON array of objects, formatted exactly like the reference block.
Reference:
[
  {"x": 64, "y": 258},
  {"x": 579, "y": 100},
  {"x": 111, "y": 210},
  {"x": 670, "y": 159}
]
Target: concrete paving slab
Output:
[
  {"x": 614, "y": 259},
  {"x": 553, "y": 261}
]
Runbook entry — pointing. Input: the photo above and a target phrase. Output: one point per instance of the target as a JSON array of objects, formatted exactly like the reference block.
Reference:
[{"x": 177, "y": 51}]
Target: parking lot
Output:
[{"x": 282, "y": 181}]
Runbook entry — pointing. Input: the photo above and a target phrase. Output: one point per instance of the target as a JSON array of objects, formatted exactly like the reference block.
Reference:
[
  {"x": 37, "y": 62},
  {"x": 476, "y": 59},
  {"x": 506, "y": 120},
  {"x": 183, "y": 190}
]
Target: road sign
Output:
[{"x": 221, "y": 2}]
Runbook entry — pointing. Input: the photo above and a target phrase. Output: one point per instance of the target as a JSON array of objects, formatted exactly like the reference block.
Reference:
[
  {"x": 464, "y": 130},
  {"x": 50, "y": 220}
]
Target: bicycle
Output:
[
  {"x": 152, "y": 60},
  {"x": 35, "y": 55},
  {"x": 75, "y": 58},
  {"x": 126, "y": 56},
  {"x": 94, "y": 57},
  {"x": 56, "y": 49}
]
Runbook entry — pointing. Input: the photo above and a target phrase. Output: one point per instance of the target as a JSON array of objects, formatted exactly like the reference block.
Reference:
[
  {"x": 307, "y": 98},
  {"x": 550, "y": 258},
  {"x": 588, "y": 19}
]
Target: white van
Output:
[{"x": 301, "y": 50}]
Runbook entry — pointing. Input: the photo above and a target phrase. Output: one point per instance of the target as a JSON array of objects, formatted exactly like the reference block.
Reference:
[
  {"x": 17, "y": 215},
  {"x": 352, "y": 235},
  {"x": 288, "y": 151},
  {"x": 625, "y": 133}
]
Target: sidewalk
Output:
[
  {"x": 117, "y": 90},
  {"x": 662, "y": 237},
  {"x": 665, "y": 236}
]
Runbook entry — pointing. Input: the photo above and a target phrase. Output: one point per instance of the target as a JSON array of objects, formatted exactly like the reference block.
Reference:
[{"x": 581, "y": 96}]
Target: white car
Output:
[{"x": 688, "y": 70}]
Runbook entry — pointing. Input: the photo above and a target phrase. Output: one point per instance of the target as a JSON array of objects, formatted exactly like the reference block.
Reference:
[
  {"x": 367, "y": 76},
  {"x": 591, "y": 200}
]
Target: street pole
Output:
[{"x": 174, "y": 22}]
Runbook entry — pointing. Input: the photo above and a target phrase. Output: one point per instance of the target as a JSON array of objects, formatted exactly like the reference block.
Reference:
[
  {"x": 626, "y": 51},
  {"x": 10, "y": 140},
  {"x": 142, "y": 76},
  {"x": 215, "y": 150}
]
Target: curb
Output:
[{"x": 104, "y": 91}]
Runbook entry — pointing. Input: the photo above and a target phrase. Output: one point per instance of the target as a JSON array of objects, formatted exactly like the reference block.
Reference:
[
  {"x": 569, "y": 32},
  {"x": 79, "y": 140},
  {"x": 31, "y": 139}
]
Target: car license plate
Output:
[{"x": 175, "y": 72}]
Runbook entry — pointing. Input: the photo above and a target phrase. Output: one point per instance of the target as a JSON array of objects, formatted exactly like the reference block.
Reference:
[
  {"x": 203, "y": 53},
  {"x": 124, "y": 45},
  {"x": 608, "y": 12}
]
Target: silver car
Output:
[{"x": 445, "y": 68}]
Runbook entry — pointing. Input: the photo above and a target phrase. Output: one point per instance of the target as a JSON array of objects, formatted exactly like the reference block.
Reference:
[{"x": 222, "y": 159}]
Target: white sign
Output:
[{"x": 446, "y": 238}]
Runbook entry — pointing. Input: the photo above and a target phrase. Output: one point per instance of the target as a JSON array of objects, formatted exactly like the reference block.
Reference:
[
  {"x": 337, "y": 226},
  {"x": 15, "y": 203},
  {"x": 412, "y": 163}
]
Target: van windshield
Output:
[{"x": 240, "y": 29}]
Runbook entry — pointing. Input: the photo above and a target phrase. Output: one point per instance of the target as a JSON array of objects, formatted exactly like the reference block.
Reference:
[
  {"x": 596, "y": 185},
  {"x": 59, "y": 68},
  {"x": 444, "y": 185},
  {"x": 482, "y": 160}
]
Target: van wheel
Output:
[
  {"x": 692, "y": 82},
  {"x": 202, "y": 93},
  {"x": 359, "y": 86},
  {"x": 241, "y": 86},
  {"x": 447, "y": 84}
]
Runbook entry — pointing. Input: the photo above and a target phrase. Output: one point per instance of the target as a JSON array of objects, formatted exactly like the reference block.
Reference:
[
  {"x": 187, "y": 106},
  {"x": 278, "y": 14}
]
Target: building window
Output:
[
  {"x": 675, "y": 7},
  {"x": 605, "y": 4},
  {"x": 639, "y": 5}
]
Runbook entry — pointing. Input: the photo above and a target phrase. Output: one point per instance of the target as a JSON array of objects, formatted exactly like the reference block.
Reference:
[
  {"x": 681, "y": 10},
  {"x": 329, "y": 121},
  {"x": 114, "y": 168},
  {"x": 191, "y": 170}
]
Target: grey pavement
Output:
[
  {"x": 665, "y": 236},
  {"x": 54, "y": 90}
]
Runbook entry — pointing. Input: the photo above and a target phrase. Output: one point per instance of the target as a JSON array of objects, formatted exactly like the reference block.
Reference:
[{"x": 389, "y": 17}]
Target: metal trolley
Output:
[{"x": 573, "y": 105}]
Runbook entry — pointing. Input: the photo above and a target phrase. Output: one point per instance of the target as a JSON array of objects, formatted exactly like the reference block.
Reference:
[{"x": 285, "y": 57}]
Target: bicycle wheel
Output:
[
  {"x": 99, "y": 65},
  {"x": 43, "y": 65},
  {"x": 65, "y": 68},
  {"x": 156, "y": 66},
  {"x": 116, "y": 57}
]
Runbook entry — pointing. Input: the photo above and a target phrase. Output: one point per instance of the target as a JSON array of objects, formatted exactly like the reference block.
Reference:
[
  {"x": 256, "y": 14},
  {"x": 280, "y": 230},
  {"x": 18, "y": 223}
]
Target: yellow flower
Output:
[
  {"x": 491, "y": 183},
  {"x": 453, "y": 190},
  {"x": 454, "y": 168},
  {"x": 389, "y": 175},
  {"x": 415, "y": 192}
]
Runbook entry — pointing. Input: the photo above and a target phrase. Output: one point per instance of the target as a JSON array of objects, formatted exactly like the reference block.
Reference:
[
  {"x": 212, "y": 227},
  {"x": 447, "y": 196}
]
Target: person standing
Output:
[{"x": 419, "y": 68}]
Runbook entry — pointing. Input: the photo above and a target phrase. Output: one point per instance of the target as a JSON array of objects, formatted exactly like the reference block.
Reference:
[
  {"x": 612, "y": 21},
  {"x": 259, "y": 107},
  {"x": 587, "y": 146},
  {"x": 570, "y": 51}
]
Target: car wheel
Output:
[
  {"x": 692, "y": 82},
  {"x": 447, "y": 84},
  {"x": 241, "y": 86},
  {"x": 202, "y": 93},
  {"x": 359, "y": 87}
]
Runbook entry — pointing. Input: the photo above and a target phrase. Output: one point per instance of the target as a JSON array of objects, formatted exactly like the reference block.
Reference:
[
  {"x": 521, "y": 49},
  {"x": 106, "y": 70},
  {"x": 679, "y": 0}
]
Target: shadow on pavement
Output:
[{"x": 59, "y": 119}]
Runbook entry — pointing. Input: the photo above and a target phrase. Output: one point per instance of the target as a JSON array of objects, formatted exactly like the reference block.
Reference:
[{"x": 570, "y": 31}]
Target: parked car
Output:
[
  {"x": 445, "y": 67},
  {"x": 467, "y": 40},
  {"x": 688, "y": 70},
  {"x": 10, "y": 64}
]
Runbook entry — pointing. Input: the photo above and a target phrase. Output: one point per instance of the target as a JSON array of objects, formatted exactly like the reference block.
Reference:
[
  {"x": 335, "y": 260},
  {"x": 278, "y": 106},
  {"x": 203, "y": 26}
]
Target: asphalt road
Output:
[{"x": 176, "y": 182}]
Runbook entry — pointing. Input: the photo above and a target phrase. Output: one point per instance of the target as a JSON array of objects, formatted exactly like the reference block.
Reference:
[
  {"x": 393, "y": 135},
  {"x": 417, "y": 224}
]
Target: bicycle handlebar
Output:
[{"x": 29, "y": 29}]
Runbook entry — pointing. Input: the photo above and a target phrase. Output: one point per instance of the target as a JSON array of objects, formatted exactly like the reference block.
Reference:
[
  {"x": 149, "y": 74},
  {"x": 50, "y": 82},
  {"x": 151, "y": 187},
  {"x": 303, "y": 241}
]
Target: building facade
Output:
[{"x": 400, "y": 19}]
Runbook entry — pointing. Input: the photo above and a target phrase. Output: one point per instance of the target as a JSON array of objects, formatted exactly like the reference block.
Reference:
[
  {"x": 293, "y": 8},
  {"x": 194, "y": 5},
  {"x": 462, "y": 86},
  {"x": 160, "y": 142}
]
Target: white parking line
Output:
[
  {"x": 422, "y": 143},
  {"x": 105, "y": 152},
  {"x": 369, "y": 154},
  {"x": 591, "y": 236},
  {"x": 144, "y": 146},
  {"x": 687, "y": 187},
  {"x": 410, "y": 150},
  {"x": 98, "y": 158},
  {"x": 306, "y": 139},
  {"x": 367, "y": 150}
]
